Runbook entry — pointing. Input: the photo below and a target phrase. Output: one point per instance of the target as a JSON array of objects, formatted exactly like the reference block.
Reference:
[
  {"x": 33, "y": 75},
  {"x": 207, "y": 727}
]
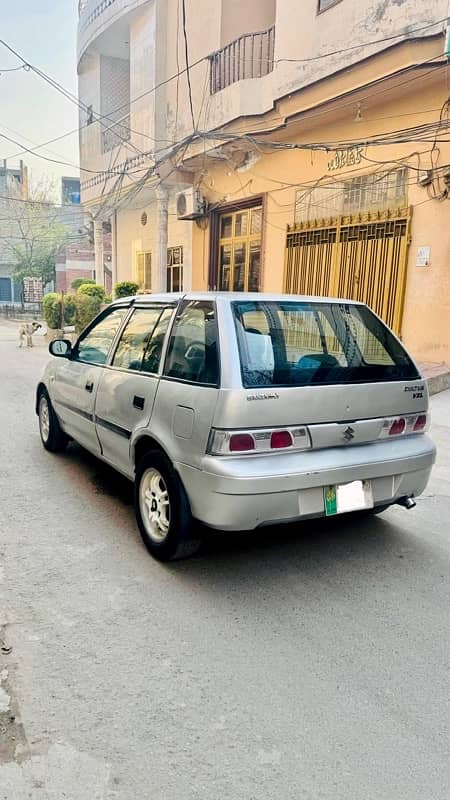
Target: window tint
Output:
[
  {"x": 299, "y": 344},
  {"x": 94, "y": 346},
  {"x": 193, "y": 348},
  {"x": 135, "y": 338}
]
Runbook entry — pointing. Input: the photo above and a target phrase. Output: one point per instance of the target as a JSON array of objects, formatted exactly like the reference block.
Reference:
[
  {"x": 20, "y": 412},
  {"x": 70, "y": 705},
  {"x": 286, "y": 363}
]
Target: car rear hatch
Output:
[{"x": 316, "y": 374}]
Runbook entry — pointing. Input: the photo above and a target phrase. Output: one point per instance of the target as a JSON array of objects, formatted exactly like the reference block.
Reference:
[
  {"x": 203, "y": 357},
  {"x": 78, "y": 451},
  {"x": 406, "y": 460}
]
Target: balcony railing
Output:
[
  {"x": 87, "y": 17},
  {"x": 250, "y": 56}
]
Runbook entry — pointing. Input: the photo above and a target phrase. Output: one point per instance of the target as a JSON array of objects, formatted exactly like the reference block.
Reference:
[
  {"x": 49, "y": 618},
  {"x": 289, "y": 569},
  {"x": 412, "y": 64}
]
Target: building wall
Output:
[
  {"x": 97, "y": 19},
  {"x": 238, "y": 18},
  {"x": 74, "y": 261},
  {"x": 301, "y": 36},
  {"x": 114, "y": 101},
  {"x": 278, "y": 177},
  {"x": 89, "y": 93},
  {"x": 143, "y": 77},
  {"x": 13, "y": 183},
  {"x": 133, "y": 237},
  {"x": 341, "y": 26}
]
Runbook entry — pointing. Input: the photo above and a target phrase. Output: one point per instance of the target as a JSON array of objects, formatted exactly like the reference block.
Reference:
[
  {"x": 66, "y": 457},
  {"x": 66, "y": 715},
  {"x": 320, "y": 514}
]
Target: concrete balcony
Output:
[
  {"x": 250, "y": 56},
  {"x": 97, "y": 16}
]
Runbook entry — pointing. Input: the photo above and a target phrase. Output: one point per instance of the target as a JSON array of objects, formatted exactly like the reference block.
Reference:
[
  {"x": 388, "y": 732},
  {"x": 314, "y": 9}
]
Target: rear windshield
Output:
[{"x": 306, "y": 343}]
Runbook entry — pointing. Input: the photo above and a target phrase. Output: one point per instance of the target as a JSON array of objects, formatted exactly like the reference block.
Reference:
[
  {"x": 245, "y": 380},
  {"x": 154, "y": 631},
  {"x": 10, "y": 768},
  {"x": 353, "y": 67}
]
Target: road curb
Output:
[{"x": 439, "y": 383}]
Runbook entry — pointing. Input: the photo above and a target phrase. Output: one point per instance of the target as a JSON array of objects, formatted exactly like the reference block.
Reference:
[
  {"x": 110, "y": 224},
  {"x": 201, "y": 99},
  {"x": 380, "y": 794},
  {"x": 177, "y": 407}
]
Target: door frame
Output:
[{"x": 214, "y": 236}]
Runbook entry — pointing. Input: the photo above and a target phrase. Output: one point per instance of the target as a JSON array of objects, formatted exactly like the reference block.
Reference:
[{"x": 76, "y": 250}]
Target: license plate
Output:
[{"x": 347, "y": 497}]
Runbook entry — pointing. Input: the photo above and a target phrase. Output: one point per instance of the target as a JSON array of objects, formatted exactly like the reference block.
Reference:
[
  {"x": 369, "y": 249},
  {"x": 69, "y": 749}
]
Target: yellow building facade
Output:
[{"x": 314, "y": 164}]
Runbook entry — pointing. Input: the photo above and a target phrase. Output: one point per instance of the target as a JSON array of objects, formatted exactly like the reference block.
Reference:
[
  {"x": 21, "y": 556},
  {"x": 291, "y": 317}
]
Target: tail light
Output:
[
  {"x": 404, "y": 426},
  {"x": 280, "y": 439},
  {"x": 241, "y": 442},
  {"x": 420, "y": 423},
  {"x": 223, "y": 443},
  {"x": 398, "y": 427}
]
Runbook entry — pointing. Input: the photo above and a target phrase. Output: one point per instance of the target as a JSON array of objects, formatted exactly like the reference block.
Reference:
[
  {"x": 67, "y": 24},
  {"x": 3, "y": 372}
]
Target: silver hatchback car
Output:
[{"x": 241, "y": 410}]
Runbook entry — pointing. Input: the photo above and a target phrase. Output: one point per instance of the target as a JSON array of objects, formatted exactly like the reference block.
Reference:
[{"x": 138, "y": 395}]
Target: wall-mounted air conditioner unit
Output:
[{"x": 190, "y": 204}]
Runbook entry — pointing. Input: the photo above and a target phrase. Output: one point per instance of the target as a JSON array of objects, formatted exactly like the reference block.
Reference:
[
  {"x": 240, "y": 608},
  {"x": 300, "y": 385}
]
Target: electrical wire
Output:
[
  {"x": 368, "y": 96},
  {"x": 188, "y": 74},
  {"x": 65, "y": 92},
  {"x": 13, "y": 69},
  {"x": 206, "y": 135},
  {"x": 181, "y": 72}
]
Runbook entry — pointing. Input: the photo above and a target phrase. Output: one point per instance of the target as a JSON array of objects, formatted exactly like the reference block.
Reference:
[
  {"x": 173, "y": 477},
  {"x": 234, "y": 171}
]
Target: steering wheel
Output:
[{"x": 195, "y": 350}]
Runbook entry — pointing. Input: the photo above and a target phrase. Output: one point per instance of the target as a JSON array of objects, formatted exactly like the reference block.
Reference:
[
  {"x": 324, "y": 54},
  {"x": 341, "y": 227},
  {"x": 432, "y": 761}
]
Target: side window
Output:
[
  {"x": 257, "y": 340},
  {"x": 141, "y": 343},
  {"x": 135, "y": 338},
  {"x": 193, "y": 350},
  {"x": 94, "y": 345},
  {"x": 152, "y": 355}
]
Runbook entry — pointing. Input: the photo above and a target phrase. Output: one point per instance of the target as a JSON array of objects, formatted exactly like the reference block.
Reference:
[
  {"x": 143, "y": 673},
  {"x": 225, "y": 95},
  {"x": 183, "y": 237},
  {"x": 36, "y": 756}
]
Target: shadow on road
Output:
[{"x": 312, "y": 546}]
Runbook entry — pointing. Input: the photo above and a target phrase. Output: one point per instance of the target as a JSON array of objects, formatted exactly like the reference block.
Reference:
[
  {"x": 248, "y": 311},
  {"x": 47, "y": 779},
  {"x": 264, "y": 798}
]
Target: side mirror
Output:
[{"x": 61, "y": 348}]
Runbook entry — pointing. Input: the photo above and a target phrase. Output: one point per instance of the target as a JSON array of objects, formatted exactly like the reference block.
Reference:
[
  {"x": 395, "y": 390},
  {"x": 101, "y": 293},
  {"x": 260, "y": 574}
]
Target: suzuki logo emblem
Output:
[{"x": 349, "y": 434}]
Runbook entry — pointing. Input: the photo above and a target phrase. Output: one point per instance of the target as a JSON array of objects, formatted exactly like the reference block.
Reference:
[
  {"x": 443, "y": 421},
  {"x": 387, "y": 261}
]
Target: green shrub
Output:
[
  {"x": 108, "y": 299},
  {"x": 69, "y": 309},
  {"x": 87, "y": 307},
  {"x": 80, "y": 282},
  {"x": 52, "y": 310},
  {"x": 126, "y": 289},
  {"x": 92, "y": 290}
]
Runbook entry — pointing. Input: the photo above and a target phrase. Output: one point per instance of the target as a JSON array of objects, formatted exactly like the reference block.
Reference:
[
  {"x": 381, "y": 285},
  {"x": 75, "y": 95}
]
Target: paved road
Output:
[{"x": 309, "y": 663}]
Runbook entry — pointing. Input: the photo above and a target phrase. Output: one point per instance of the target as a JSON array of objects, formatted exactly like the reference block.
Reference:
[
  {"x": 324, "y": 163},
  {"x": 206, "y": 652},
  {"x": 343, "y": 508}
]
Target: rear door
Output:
[
  {"x": 128, "y": 385},
  {"x": 189, "y": 386},
  {"x": 75, "y": 382}
]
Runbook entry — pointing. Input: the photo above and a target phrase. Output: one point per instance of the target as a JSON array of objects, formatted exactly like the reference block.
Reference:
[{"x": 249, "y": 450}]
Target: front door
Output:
[
  {"x": 76, "y": 380},
  {"x": 128, "y": 385},
  {"x": 240, "y": 250}
]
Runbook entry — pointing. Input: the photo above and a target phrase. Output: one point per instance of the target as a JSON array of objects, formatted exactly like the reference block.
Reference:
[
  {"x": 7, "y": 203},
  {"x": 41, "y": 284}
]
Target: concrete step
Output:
[{"x": 437, "y": 376}]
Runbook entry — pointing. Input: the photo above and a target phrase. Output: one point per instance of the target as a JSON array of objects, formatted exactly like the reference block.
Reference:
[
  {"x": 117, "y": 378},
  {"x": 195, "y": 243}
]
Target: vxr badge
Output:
[{"x": 349, "y": 434}]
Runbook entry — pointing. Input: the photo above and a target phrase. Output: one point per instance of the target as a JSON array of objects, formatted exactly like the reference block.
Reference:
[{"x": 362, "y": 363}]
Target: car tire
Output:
[
  {"x": 52, "y": 436},
  {"x": 162, "y": 509}
]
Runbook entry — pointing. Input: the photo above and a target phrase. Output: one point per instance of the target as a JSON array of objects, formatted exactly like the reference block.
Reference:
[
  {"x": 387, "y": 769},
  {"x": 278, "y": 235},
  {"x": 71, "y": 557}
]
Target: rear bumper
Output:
[{"x": 245, "y": 493}]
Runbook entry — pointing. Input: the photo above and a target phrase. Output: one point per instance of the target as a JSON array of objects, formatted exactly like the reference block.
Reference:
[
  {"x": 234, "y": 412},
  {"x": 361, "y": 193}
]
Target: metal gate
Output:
[{"x": 360, "y": 257}]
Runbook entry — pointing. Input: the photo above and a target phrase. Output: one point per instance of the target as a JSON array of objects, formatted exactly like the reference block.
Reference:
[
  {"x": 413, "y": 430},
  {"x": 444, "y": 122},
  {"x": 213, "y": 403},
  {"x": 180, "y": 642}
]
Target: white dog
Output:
[{"x": 26, "y": 331}]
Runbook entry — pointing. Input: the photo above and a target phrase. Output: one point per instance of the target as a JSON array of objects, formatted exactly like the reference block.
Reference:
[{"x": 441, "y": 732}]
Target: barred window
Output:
[
  {"x": 377, "y": 191},
  {"x": 368, "y": 192}
]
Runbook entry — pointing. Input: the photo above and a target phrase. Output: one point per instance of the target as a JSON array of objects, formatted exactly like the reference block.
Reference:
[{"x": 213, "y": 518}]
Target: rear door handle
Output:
[
  {"x": 138, "y": 402},
  {"x": 89, "y": 386}
]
